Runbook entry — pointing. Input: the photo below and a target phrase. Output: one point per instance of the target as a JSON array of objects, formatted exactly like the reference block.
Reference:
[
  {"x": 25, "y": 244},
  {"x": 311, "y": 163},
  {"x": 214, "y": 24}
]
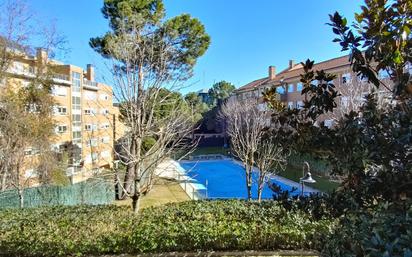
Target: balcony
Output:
[
  {"x": 61, "y": 78},
  {"x": 90, "y": 84}
]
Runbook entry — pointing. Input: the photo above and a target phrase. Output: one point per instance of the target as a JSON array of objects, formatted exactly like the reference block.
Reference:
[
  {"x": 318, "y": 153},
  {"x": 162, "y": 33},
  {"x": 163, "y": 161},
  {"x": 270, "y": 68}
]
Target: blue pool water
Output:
[{"x": 226, "y": 179}]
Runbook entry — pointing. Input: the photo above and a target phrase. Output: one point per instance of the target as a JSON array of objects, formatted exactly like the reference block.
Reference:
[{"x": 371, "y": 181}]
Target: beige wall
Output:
[{"x": 96, "y": 109}]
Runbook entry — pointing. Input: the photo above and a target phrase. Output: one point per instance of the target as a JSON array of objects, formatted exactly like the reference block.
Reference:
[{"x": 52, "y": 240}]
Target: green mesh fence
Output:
[
  {"x": 92, "y": 191},
  {"x": 318, "y": 166}
]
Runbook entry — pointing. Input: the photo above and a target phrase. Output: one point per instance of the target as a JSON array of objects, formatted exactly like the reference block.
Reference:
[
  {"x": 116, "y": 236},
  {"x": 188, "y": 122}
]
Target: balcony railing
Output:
[
  {"x": 90, "y": 84},
  {"x": 61, "y": 77}
]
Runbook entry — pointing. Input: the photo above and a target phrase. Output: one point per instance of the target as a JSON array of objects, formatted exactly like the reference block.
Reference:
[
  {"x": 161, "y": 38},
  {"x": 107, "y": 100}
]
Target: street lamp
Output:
[{"x": 307, "y": 177}]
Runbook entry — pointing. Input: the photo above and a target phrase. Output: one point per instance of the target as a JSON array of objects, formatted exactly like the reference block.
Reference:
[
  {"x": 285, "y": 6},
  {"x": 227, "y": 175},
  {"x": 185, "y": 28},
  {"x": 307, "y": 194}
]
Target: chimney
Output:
[
  {"x": 90, "y": 72},
  {"x": 272, "y": 72},
  {"x": 41, "y": 56},
  {"x": 291, "y": 64}
]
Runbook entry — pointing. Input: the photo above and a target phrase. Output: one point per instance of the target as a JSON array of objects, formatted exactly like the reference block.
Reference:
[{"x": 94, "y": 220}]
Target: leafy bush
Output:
[
  {"x": 188, "y": 226},
  {"x": 385, "y": 230}
]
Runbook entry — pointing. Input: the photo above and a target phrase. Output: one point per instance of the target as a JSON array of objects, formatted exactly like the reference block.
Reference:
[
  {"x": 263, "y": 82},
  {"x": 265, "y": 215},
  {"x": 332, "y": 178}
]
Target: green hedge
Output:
[
  {"x": 187, "y": 226},
  {"x": 92, "y": 191}
]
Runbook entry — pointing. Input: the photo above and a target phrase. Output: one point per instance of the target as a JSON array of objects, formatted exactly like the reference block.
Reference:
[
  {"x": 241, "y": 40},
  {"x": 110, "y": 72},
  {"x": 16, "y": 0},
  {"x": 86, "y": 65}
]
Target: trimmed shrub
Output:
[{"x": 187, "y": 226}]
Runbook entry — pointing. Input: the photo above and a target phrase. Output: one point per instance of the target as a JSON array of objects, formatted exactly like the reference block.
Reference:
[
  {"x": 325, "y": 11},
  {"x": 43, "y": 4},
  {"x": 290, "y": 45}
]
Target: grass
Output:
[
  {"x": 322, "y": 183},
  {"x": 163, "y": 192}
]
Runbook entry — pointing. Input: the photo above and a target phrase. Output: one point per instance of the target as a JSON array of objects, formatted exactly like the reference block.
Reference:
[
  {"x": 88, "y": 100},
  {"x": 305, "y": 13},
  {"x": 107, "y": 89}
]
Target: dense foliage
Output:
[
  {"x": 188, "y": 226},
  {"x": 385, "y": 230}
]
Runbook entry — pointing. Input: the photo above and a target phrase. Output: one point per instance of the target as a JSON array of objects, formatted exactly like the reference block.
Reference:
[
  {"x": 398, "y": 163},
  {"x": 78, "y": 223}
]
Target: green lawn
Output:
[
  {"x": 322, "y": 183},
  {"x": 210, "y": 150}
]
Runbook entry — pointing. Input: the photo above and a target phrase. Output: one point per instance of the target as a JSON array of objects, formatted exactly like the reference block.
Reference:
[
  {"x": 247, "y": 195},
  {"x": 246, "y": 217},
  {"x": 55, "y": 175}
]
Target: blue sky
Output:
[{"x": 247, "y": 36}]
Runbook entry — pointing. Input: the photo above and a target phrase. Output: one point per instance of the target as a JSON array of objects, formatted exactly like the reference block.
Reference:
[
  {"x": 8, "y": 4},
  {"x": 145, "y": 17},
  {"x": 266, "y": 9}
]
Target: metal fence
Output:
[{"x": 92, "y": 191}]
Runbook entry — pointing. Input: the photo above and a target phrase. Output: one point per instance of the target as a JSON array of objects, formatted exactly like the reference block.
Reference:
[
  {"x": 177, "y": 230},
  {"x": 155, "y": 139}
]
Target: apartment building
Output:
[
  {"x": 353, "y": 88},
  {"x": 84, "y": 114}
]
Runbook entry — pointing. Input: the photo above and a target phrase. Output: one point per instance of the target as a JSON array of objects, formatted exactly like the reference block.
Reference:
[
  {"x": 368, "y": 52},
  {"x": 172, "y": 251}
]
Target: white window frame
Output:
[{"x": 59, "y": 129}]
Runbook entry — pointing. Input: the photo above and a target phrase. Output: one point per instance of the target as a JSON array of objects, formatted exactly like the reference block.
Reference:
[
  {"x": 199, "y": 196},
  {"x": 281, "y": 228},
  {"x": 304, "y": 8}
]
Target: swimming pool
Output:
[{"x": 227, "y": 179}]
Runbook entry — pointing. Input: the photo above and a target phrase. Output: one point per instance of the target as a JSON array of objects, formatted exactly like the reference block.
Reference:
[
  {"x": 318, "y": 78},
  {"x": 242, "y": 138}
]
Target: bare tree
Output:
[
  {"x": 146, "y": 78},
  {"x": 353, "y": 93},
  {"x": 245, "y": 127},
  {"x": 26, "y": 124},
  {"x": 270, "y": 158}
]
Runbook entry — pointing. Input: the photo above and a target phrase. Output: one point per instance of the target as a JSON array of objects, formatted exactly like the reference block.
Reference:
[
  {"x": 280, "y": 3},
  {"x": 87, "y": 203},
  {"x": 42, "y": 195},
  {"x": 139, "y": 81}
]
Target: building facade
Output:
[
  {"x": 83, "y": 113},
  {"x": 353, "y": 88}
]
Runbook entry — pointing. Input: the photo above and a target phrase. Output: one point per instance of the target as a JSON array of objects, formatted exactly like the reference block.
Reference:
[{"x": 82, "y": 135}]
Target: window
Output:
[
  {"x": 104, "y": 97},
  {"x": 383, "y": 74},
  {"x": 291, "y": 88},
  {"x": 59, "y": 91},
  {"x": 105, "y": 126},
  {"x": 61, "y": 129},
  {"x": 280, "y": 90},
  {"x": 32, "y": 108},
  {"x": 76, "y": 83},
  {"x": 60, "y": 110},
  {"x": 90, "y": 95},
  {"x": 104, "y": 111},
  {"x": 75, "y": 102},
  {"x": 409, "y": 68},
  {"x": 299, "y": 104},
  {"x": 18, "y": 67},
  {"x": 290, "y": 105},
  {"x": 362, "y": 78},
  {"x": 346, "y": 78},
  {"x": 31, "y": 151},
  {"x": 92, "y": 142},
  {"x": 328, "y": 123},
  {"x": 89, "y": 111},
  {"x": 299, "y": 86},
  {"x": 90, "y": 127},
  {"x": 105, "y": 140},
  {"x": 77, "y": 137},
  {"x": 76, "y": 120}
]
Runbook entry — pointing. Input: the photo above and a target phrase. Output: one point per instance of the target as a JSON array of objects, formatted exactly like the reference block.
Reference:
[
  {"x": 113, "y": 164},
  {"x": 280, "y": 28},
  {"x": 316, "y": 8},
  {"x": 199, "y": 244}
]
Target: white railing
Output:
[
  {"x": 90, "y": 84},
  {"x": 61, "y": 77}
]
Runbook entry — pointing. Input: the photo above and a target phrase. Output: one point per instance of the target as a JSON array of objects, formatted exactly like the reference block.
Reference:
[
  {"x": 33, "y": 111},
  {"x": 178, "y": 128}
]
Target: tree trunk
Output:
[
  {"x": 21, "y": 197},
  {"x": 137, "y": 177},
  {"x": 130, "y": 171},
  {"x": 3, "y": 182},
  {"x": 261, "y": 181},
  {"x": 248, "y": 182},
  {"x": 259, "y": 194},
  {"x": 136, "y": 197}
]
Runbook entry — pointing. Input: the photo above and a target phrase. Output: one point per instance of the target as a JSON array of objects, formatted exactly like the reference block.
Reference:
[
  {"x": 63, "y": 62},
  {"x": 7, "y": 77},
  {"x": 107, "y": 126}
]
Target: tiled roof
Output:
[
  {"x": 253, "y": 84},
  {"x": 325, "y": 65},
  {"x": 295, "y": 71}
]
